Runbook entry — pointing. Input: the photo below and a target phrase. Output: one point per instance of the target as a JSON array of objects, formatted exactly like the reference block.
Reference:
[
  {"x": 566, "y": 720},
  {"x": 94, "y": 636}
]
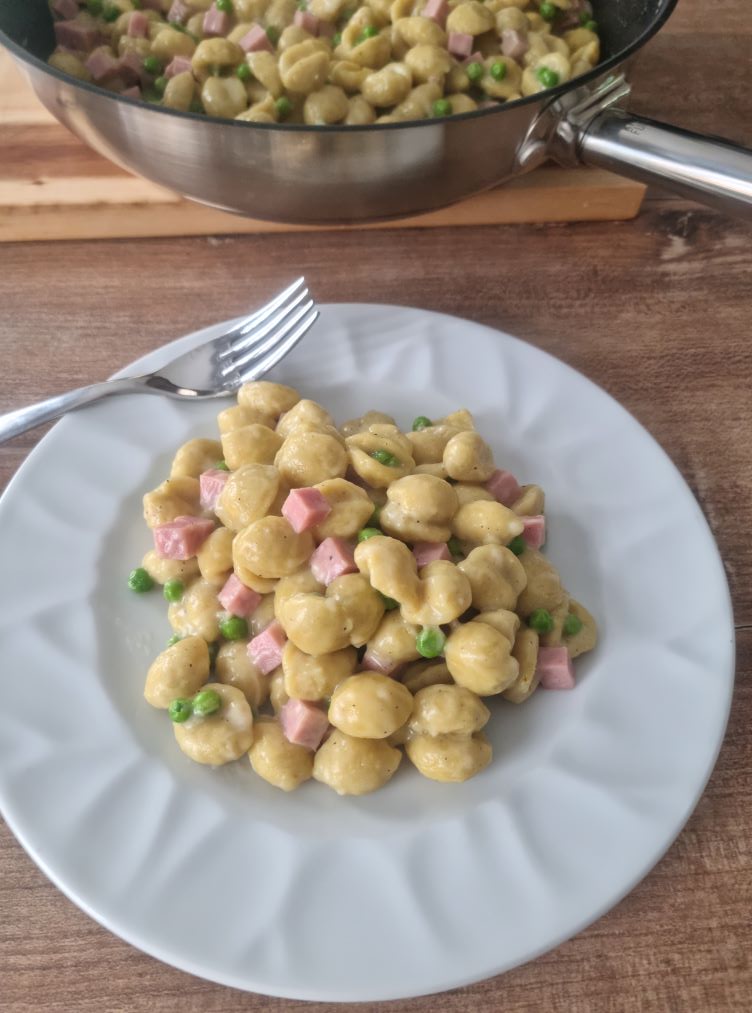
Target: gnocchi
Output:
[{"x": 343, "y": 596}]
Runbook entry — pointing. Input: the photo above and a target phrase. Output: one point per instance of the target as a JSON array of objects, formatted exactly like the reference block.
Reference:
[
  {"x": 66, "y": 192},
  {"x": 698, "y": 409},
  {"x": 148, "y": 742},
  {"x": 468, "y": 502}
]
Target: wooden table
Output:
[{"x": 657, "y": 311}]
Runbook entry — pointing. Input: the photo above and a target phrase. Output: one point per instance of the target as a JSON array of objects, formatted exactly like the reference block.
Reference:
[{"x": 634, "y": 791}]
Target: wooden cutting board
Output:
[{"x": 53, "y": 187}]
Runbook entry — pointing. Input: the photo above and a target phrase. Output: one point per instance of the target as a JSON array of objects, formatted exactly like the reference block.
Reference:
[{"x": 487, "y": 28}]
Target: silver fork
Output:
[{"x": 215, "y": 369}]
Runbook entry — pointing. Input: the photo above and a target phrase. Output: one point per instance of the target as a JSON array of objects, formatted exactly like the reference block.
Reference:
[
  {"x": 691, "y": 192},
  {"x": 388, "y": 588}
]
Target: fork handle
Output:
[{"x": 19, "y": 421}]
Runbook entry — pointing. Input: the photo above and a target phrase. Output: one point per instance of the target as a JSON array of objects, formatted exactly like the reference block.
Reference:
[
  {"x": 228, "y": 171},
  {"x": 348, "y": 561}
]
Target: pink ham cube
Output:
[
  {"x": 307, "y": 21},
  {"x": 534, "y": 531},
  {"x": 514, "y": 44},
  {"x": 138, "y": 25},
  {"x": 460, "y": 44},
  {"x": 333, "y": 558},
  {"x": 555, "y": 668},
  {"x": 305, "y": 508},
  {"x": 476, "y": 57},
  {"x": 182, "y": 538},
  {"x": 179, "y": 13},
  {"x": 65, "y": 8},
  {"x": 436, "y": 10},
  {"x": 211, "y": 484},
  {"x": 77, "y": 36},
  {"x": 238, "y": 599},
  {"x": 216, "y": 23},
  {"x": 303, "y": 723},
  {"x": 327, "y": 29},
  {"x": 265, "y": 650},
  {"x": 256, "y": 40},
  {"x": 131, "y": 69},
  {"x": 429, "y": 552},
  {"x": 103, "y": 65},
  {"x": 504, "y": 487},
  {"x": 178, "y": 65}
]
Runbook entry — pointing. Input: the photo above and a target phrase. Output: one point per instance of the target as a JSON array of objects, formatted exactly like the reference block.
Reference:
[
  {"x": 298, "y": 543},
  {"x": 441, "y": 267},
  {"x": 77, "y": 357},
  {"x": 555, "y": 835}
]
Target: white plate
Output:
[{"x": 422, "y": 886}]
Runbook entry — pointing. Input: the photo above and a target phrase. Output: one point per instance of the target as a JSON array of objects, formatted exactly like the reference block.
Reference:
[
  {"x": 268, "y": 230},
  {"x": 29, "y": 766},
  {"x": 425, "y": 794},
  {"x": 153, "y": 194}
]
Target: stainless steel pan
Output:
[{"x": 335, "y": 174}]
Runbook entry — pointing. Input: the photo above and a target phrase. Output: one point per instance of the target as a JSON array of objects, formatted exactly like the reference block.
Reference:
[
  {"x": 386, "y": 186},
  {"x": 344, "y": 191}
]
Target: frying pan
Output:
[{"x": 335, "y": 174}]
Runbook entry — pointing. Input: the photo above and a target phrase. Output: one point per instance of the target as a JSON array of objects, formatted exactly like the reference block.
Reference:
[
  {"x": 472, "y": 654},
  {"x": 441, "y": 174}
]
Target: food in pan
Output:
[
  {"x": 325, "y": 61},
  {"x": 338, "y": 595}
]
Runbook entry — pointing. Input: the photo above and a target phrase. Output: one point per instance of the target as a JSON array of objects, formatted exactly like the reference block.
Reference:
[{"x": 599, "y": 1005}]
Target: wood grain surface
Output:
[{"x": 658, "y": 312}]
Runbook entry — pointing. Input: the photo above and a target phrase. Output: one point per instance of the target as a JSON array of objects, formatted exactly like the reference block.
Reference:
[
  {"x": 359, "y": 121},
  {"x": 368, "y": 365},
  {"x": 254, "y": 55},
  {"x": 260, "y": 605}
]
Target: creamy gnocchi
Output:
[
  {"x": 325, "y": 61},
  {"x": 341, "y": 597}
]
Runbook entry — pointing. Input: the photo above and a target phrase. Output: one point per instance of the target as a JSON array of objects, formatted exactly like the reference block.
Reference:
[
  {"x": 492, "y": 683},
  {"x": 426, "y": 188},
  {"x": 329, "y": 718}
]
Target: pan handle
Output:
[{"x": 706, "y": 169}]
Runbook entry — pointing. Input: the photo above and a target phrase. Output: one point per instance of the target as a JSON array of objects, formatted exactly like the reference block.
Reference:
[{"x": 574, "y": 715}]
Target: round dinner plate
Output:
[{"x": 421, "y": 886}]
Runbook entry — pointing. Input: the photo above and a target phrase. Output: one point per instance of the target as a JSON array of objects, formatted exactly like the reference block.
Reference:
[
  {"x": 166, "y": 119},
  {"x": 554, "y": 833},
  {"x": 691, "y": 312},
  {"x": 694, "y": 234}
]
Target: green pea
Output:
[
  {"x": 385, "y": 458},
  {"x": 224, "y": 5},
  {"x": 389, "y": 603},
  {"x": 302, "y": 6},
  {"x": 422, "y": 422},
  {"x": 548, "y": 11},
  {"x": 474, "y": 71},
  {"x": 498, "y": 70},
  {"x": 375, "y": 519},
  {"x": 455, "y": 547},
  {"x": 547, "y": 77},
  {"x": 592, "y": 26},
  {"x": 152, "y": 65},
  {"x": 111, "y": 13},
  {"x": 283, "y": 106},
  {"x": 206, "y": 702},
  {"x": 430, "y": 642},
  {"x": 243, "y": 71},
  {"x": 139, "y": 580},
  {"x": 336, "y": 39},
  {"x": 159, "y": 85},
  {"x": 174, "y": 639},
  {"x": 367, "y": 533},
  {"x": 234, "y": 628},
  {"x": 272, "y": 34},
  {"x": 222, "y": 465},
  {"x": 173, "y": 590},
  {"x": 180, "y": 710},
  {"x": 94, "y": 7},
  {"x": 517, "y": 545},
  {"x": 541, "y": 621},
  {"x": 441, "y": 107},
  {"x": 369, "y": 32},
  {"x": 572, "y": 625}
]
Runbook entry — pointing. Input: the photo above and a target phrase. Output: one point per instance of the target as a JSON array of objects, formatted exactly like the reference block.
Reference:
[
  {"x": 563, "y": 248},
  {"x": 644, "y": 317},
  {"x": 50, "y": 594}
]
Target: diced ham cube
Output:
[
  {"x": 460, "y": 44},
  {"x": 428, "y": 552},
  {"x": 307, "y": 21},
  {"x": 131, "y": 69},
  {"x": 504, "y": 487},
  {"x": 436, "y": 10},
  {"x": 514, "y": 44},
  {"x": 65, "y": 8},
  {"x": 305, "y": 508},
  {"x": 534, "y": 531},
  {"x": 79, "y": 36},
  {"x": 216, "y": 23},
  {"x": 211, "y": 483},
  {"x": 375, "y": 663},
  {"x": 476, "y": 57},
  {"x": 555, "y": 668},
  {"x": 103, "y": 65},
  {"x": 256, "y": 40},
  {"x": 179, "y": 12},
  {"x": 265, "y": 650},
  {"x": 327, "y": 29},
  {"x": 238, "y": 599},
  {"x": 303, "y": 723},
  {"x": 132, "y": 92},
  {"x": 333, "y": 558},
  {"x": 138, "y": 25},
  {"x": 181, "y": 538},
  {"x": 178, "y": 65}
]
